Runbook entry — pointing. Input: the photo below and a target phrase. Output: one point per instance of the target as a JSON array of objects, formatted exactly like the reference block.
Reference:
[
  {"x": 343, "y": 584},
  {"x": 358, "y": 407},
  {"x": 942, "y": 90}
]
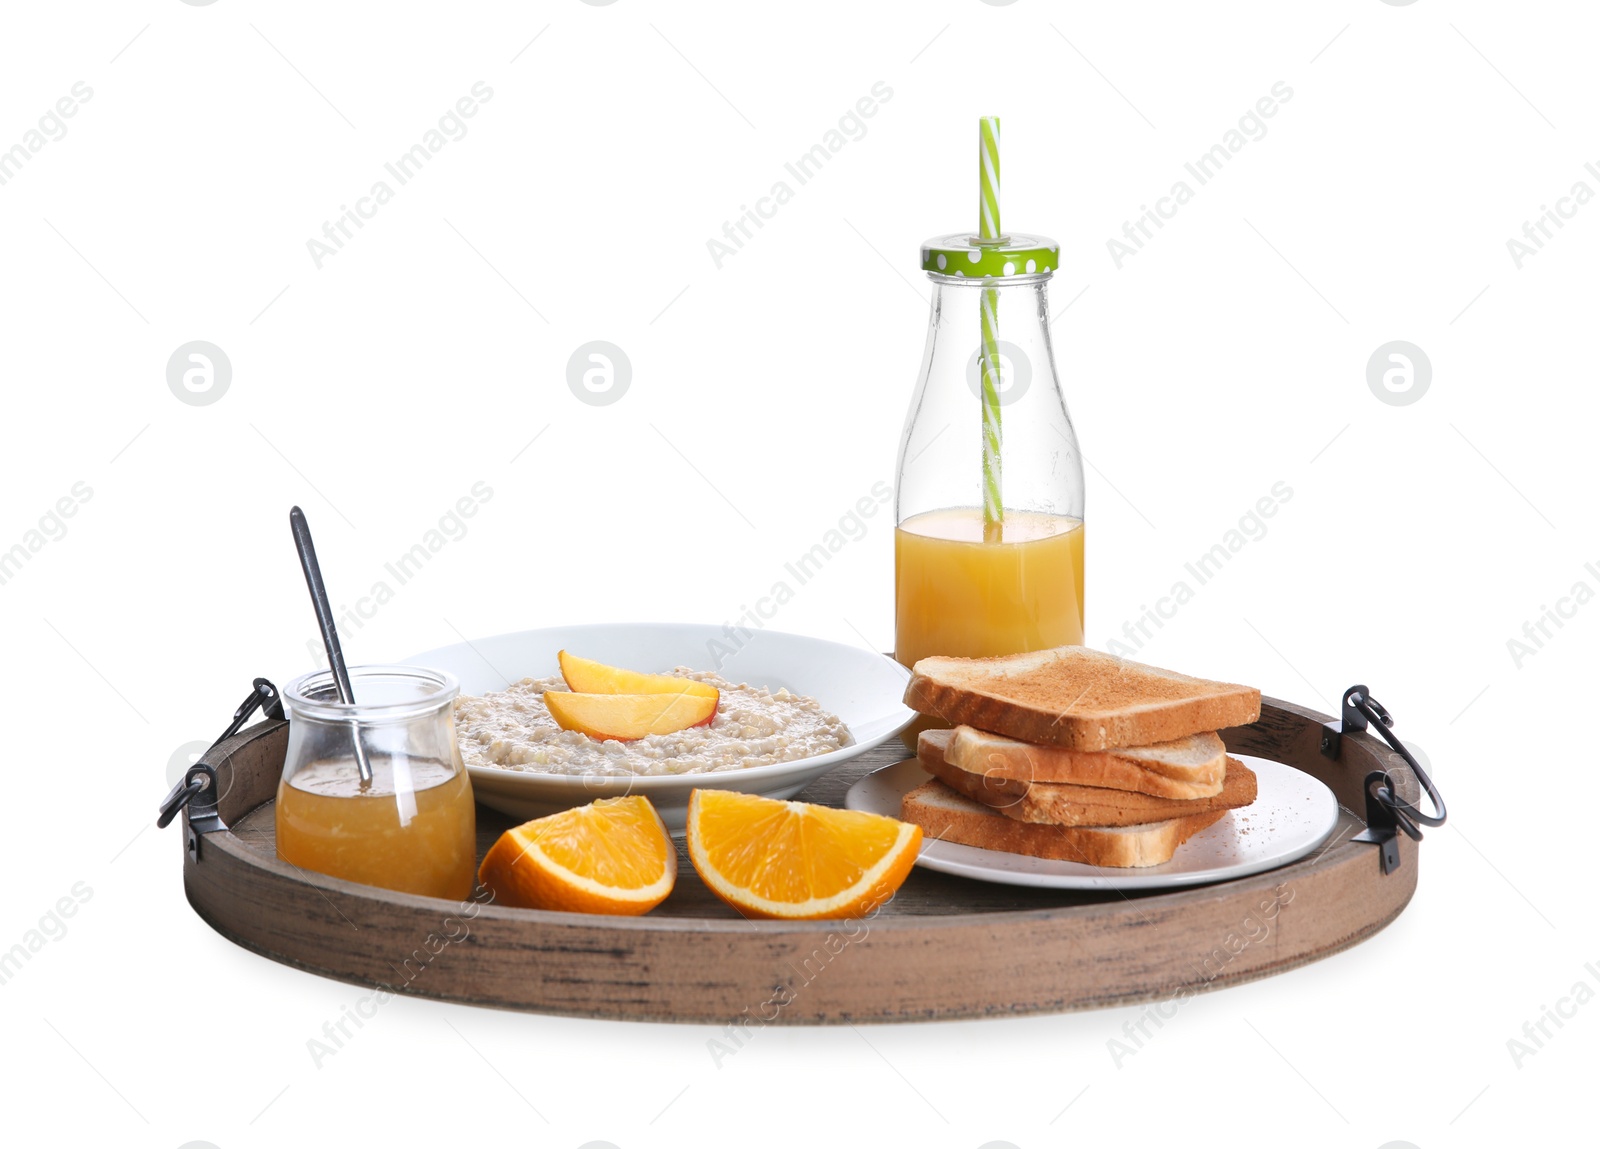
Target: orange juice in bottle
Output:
[
  {"x": 411, "y": 825},
  {"x": 989, "y": 549},
  {"x": 957, "y": 592}
]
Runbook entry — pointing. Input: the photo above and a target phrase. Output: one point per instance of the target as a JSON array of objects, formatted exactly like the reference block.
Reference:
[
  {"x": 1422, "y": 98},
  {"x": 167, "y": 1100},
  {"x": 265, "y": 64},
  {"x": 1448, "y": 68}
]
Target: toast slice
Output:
[
  {"x": 1065, "y": 804},
  {"x": 947, "y": 816},
  {"x": 1078, "y": 698},
  {"x": 1191, "y": 767}
]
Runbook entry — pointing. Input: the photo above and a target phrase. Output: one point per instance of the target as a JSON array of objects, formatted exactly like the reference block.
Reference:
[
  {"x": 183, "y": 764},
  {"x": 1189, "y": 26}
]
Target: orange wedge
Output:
[
  {"x": 626, "y": 717},
  {"x": 586, "y": 676},
  {"x": 612, "y": 856},
  {"x": 772, "y": 859}
]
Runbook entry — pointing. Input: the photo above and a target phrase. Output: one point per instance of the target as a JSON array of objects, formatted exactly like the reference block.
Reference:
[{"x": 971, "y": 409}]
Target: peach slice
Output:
[
  {"x": 626, "y": 717},
  {"x": 589, "y": 677}
]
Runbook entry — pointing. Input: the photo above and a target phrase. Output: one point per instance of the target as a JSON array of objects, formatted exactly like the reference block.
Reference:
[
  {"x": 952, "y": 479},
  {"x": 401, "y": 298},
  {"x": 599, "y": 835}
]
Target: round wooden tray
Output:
[{"x": 944, "y": 947}]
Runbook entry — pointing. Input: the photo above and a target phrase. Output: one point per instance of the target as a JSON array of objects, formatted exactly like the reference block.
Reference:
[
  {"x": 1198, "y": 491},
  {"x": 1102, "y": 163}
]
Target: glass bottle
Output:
[
  {"x": 412, "y": 827},
  {"x": 970, "y": 583}
]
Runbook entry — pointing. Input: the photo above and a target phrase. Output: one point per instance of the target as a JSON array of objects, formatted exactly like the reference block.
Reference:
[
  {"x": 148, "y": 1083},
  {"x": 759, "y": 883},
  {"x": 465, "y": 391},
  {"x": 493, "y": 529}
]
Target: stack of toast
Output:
[{"x": 1075, "y": 755}]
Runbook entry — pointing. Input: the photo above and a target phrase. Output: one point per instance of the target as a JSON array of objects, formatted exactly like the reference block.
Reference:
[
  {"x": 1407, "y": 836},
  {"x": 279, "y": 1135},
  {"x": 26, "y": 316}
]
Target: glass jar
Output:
[
  {"x": 412, "y": 826},
  {"x": 970, "y": 582}
]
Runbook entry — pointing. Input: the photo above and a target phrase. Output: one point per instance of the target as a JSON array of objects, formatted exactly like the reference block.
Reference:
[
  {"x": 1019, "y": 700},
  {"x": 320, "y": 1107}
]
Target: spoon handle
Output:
[{"x": 330, "y": 633}]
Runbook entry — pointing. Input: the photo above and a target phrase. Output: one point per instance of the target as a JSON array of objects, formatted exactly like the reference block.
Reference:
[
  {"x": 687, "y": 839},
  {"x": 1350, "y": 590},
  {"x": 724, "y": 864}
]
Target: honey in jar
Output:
[{"x": 410, "y": 826}]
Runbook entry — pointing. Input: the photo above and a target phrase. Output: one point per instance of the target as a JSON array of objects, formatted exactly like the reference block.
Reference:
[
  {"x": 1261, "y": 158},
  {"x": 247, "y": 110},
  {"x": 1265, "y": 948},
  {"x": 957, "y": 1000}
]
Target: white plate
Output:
[
  {"x": 1292, "y": 815},
  {"x": 861, "y": 686}
]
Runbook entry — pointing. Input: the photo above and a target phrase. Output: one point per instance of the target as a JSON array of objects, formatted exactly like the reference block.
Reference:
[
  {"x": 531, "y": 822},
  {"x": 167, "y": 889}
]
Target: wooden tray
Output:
[{"x": 944, "y": 947}]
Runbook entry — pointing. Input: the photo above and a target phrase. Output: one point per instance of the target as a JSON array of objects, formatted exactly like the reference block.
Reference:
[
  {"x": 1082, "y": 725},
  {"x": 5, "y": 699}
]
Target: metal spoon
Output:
[{"x": 330, "y": 633}]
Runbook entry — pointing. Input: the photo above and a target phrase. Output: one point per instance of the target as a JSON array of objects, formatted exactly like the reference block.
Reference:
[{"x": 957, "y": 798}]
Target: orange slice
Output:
[
  {"x": 772, "y": 859},
  {"x": 626, "y": 717},
  {"x": 589, "y": 677},
  {"x": 612, "y": 856}
]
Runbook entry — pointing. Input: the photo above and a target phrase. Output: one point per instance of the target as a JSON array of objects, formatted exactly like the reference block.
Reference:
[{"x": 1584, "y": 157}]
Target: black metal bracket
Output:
[
  {"x": 198, "y": 788},
  {"x": 198, "y": 791},
  {"x": 1387, "y": 813},
  {"x": 263, "y": 696}
]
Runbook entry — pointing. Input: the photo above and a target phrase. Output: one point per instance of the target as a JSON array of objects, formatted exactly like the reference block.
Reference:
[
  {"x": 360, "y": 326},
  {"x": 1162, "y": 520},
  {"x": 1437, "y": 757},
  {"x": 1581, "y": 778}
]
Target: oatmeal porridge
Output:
[{"x": 512, "y": 729}]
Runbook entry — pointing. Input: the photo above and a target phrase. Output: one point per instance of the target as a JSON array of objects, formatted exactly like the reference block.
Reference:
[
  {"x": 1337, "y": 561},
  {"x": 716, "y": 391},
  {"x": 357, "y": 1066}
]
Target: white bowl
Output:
[{"x": 862, "y": 687}]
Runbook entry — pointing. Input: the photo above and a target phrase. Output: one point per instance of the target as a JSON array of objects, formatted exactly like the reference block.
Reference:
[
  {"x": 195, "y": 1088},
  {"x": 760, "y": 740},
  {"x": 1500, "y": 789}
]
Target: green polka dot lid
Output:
[
  {"x": 991, "y": 253},
  {"x": 974, "y": 256}
]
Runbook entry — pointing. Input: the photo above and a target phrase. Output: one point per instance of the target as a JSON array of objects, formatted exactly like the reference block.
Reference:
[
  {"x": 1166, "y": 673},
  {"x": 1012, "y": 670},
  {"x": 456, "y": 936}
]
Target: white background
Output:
[{"x": 767, "y": 397}]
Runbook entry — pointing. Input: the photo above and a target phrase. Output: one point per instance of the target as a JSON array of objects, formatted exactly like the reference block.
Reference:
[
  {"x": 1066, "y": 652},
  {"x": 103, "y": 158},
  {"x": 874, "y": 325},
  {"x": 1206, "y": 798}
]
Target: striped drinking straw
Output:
[{"x": 989, "y": 230}]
